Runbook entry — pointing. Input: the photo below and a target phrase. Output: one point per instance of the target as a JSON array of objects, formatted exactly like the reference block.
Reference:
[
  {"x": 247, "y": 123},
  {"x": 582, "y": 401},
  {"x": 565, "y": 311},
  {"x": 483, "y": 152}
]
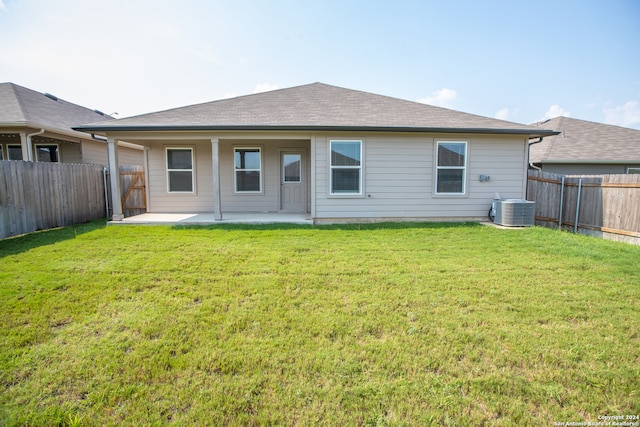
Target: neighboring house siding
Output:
[
  {"x": 399, "y": 177},
  {"x": 585, "y": 169},
  {"x": 70, "y": 152},
  {"x": 95, "y": 152}
]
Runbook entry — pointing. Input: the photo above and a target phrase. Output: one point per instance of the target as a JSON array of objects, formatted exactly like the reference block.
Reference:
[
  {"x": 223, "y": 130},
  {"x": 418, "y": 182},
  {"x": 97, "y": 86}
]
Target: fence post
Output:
[
  {"x": 575, "y": 226},
  {"x": 561, "y": 203}
]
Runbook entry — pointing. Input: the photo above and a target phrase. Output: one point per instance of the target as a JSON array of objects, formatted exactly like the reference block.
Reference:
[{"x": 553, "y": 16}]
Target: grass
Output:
[{"x": 374, "y": 325}]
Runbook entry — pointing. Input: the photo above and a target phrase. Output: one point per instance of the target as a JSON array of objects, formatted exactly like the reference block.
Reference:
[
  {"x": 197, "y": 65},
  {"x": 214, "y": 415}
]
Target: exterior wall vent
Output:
[
  {"x": 48, "y": 95},
  {"x": 515, "y": 212}
]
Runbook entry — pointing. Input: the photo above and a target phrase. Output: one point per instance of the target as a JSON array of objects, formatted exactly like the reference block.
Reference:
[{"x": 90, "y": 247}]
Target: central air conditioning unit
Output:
[{"x": 514, "y": 212}]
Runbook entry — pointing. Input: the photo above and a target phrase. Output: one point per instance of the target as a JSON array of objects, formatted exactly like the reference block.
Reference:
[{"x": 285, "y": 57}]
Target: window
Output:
[
  {"x": 291, "y": 165},
  {"x": 451, "y": 161},
  {"x": 248, "y": 170},
  {"x": 346, "y": 167},
  {"x": 47, "y": 153},
  {"x": 180, "y": 170},
  {"x": 14, "y": 152},
  {"x": 1, "y": 153},
  {"x": 633, "y": 170}
]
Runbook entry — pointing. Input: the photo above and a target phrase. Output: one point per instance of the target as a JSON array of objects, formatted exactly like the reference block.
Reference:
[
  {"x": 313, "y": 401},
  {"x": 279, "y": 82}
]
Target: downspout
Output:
[
  {"x": 531, "y": 165},
  {"x": 30, "y": 145},
  {"x": 106, "y": 190}
]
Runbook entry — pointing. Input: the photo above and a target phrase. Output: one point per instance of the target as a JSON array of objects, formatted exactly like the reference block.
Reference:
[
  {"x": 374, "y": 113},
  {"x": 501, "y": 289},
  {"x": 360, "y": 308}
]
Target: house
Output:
[
  {"x": 38, "y": 127},
  {"x": 586, "y": 148},
  {"x": 331, "y": 153}
]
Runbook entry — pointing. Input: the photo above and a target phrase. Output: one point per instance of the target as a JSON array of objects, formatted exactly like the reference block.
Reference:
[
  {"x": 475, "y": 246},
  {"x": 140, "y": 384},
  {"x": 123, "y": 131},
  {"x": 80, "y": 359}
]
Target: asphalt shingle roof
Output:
[
  {"x": 314, "y": 106},
  {"x": 22, "y": 106},
  {"x": 582, "y": 141}
]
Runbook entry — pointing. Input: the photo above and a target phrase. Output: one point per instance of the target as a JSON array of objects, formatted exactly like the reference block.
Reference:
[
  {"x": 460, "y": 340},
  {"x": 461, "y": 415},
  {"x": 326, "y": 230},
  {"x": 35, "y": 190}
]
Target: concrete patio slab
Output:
[{"x": 209, "y": 218}]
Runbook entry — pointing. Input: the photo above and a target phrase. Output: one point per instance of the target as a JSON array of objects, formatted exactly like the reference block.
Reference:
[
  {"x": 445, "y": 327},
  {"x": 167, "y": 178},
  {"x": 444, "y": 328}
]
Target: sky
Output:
[{"x": 522, "y": 61}]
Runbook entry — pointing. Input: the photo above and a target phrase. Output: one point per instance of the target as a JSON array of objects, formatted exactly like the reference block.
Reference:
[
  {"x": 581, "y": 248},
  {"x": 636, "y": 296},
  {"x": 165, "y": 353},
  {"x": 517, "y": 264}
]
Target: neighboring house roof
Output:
[
  {"x": 581, "y": 141},
  {"x": 315, "y": 106},
  {"x": 20, "y": 106}
]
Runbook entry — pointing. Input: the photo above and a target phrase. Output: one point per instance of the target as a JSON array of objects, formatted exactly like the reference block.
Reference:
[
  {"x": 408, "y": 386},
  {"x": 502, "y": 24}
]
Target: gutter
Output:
[
  {"x": 595, "y": 162},
  {"x": 152, "y": 128}
]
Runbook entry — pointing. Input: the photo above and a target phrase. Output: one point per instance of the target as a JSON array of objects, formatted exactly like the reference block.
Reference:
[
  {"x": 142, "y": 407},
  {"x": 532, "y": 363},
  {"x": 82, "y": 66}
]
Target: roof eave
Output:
[
  {"x": 72, "y": 132},
  {"x": 167, "y": 128}
]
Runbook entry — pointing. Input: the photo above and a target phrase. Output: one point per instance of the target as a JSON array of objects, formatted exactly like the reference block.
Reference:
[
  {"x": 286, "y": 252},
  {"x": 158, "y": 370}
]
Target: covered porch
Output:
[
  {"x": 212, "y": 218},
  {"x": 197, "y": 178}
]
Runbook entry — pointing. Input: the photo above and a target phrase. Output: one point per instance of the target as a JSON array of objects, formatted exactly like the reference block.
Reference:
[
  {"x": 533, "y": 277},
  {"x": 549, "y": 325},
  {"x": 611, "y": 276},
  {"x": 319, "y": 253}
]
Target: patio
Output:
[{"x": 209, "y": 218}]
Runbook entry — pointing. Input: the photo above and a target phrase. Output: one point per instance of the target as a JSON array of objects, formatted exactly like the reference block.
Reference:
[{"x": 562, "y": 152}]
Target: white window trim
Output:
[
  {"x": 35, "y": 151},
  {"x": 192, "y": 170},
  {"x": 633, "y": 168},
  {"x": 361, "y": 168},
  {"x": 235, "y": 176},
  {"x": 14, "y": 145},
  {"x": 464, "y": 168}
]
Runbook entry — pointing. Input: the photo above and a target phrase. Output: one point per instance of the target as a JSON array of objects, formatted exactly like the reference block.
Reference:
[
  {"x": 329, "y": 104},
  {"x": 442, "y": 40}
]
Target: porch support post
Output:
[
  {"x": 25, "y": 144},
  {"x": 215, "y": 163},
  {"x": 114, "y": 179}
]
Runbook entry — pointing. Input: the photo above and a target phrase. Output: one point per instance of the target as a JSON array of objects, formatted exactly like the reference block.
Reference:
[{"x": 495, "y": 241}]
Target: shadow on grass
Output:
[
  {"x": 25, "y": 242},
  {"x": 363, "y": 226}
]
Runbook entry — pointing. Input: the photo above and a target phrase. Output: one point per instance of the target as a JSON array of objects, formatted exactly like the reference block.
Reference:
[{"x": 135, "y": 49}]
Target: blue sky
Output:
[{"x": 522, "y": 61}]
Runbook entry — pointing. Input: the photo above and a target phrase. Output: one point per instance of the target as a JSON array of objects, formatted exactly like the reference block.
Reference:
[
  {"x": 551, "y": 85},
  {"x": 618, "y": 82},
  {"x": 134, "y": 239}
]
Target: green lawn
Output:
[{"x": 391, "y": 324}]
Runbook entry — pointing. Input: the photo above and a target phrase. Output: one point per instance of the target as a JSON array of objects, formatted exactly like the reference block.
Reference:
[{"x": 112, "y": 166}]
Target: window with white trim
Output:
[
  {"x": 451, "y": 167},
  {"x": 248, "y": 169},
  {"x": 633, "y": 170},
  {"x": 47, "y": 153},
  {"x": 345, "y": 168},
  {"x": 180, "y": 176},
  {"x": 14, "y": 152}
]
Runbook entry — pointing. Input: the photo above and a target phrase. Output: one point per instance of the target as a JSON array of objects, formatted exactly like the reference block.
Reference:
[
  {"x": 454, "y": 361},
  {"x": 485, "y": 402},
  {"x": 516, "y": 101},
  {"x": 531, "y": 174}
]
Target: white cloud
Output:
[
  {"x": 2, "y": 6},
  {"x": 625, "y": 115},
  {"x": 502, "y": 114},
  {"x": 442, "y": 98},
  {"x": 556, "y": 111},
  {"x": 264, "y": 87}
]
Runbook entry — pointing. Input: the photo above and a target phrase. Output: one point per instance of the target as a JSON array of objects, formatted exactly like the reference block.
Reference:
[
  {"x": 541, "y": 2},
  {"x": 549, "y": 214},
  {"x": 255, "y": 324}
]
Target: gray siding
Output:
[
  {"x": 95, "y": 152},
  {"x": 269, "y": 199},
  {"x": 399, "y": 178},
  {"x": 160, "y": 200}
]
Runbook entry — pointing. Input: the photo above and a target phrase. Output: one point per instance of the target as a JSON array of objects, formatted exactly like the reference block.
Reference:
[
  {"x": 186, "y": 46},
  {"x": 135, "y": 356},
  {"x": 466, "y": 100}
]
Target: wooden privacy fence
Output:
[
  {"x": 37, "y": 196},
  {"x": 601, "y": 205}
]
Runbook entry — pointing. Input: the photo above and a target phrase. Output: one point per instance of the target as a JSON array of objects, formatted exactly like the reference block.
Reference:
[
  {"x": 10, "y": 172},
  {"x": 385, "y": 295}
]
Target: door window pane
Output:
[{"x": 291, "y": 165}]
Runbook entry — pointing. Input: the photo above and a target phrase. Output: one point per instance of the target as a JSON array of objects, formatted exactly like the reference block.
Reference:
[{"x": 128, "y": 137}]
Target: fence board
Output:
[
  {"x": 609, "y": 204},
  {"x": 36, "y": 196}
]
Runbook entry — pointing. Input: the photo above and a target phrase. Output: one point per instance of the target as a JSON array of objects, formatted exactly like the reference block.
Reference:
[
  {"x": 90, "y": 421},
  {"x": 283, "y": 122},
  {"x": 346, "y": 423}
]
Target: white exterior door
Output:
[{"x": 293, "y": 194}]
